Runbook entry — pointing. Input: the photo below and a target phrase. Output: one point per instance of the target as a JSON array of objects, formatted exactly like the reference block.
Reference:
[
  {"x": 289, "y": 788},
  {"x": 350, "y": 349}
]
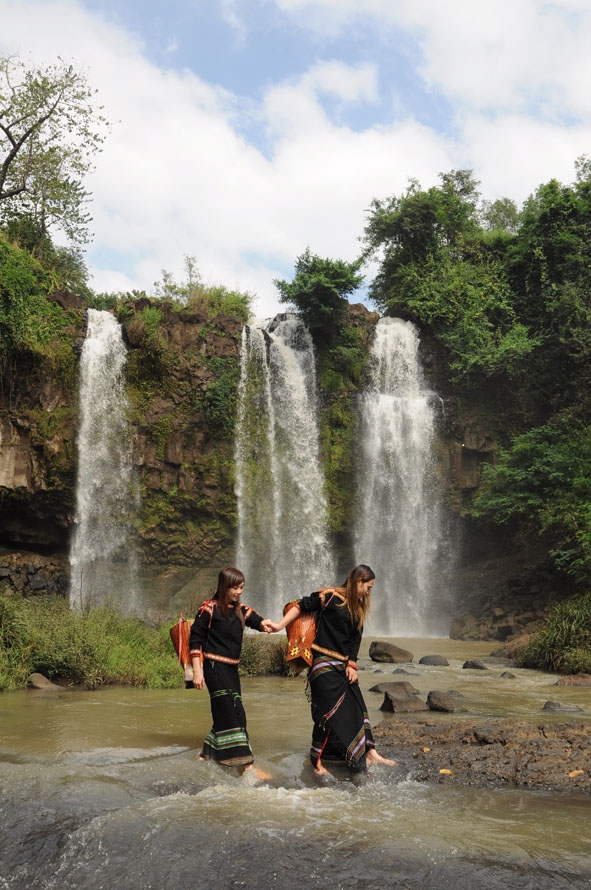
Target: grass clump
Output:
[
  {"x": 100, "y": 647},
  {"x": 89, "y": 649},
  {"x": 564, "y": 645}
]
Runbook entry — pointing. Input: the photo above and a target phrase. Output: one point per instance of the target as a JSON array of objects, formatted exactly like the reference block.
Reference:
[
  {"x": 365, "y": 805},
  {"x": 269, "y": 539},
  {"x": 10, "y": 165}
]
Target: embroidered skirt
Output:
[
  {"x": 342, "y": 730},
  {"x": 227, "y": 740}
]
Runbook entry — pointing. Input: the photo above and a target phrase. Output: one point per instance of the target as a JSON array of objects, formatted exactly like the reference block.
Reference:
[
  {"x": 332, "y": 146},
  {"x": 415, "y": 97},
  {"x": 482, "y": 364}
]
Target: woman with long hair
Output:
[
  {"x": 342, "y": 730},
  {"x": 215, "y": 645}
]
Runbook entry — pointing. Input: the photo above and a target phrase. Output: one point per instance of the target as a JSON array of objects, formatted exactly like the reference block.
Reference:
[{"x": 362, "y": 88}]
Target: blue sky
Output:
[{"x": 246, "y": 131}]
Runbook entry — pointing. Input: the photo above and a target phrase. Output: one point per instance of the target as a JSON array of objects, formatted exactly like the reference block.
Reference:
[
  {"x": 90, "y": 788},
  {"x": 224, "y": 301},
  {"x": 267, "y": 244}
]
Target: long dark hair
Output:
[
  {"x": 358, "y": 605},
  {"x": 227, "y": 578}
]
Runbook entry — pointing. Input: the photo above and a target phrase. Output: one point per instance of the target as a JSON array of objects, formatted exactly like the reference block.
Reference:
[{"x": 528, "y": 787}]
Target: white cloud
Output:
[
  {"x": 178, "y": 178},
  {"x": 494, "y": 55}
]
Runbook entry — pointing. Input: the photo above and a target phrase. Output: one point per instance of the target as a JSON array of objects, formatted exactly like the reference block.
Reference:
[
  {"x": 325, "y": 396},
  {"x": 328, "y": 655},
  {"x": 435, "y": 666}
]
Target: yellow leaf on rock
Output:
[
  {"x": 445, "y": 772},
  {"x": 575, "y": 772},
  {"x": 426, "y": 749}
]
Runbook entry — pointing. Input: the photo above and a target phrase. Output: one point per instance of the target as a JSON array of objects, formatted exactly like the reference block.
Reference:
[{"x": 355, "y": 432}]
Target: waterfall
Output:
[
  {"x": 102, "y": 555},
  {"x": 283, "y": 548},
  {"x": 399, "y": 527}
]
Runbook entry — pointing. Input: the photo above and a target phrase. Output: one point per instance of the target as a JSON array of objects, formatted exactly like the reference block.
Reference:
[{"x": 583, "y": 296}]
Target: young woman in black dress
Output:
[
  {"x": 215, "y": 644},
  {"x": 342, "y": 730}
]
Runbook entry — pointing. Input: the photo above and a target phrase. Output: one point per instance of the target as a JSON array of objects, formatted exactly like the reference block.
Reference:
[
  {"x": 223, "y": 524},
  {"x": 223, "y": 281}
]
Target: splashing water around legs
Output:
[{"x": 102, "y": 558}]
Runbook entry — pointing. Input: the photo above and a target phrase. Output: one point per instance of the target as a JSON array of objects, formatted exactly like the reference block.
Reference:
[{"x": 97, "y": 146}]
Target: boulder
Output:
[
  {"x": 447, "y": 702},
  {"x": 395, "y": 686},
  {"x": 388, "y": 652},
  {"x": 559, "y": 706},
  {"x": 474, "y": 664},
  {"x": 38, "y": 681},
  {"x": 434, "y": 660},
  {"x": 575, "y": 680},
  {"x": 401, "y": 702}
]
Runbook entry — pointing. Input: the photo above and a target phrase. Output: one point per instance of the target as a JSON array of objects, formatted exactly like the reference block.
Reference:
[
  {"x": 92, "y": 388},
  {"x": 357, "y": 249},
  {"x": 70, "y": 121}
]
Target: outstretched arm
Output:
[{"x": 287, "y": 619}]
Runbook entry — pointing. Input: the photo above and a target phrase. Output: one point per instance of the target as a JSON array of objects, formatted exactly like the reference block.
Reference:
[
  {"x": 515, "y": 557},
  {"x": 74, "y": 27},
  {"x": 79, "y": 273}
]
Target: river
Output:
[{"x": 103, "y": 789}]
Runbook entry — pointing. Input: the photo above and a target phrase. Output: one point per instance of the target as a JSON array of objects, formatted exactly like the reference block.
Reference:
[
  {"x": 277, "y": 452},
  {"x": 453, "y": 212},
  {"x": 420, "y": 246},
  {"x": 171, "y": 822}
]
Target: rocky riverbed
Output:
[{"x": 502, "y": 752}]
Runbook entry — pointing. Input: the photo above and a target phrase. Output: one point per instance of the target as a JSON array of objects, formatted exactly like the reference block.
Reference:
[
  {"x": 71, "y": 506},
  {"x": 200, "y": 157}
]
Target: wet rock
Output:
[
  {"x": 39, "y": 681},
  {"x": 402, "y": 702},
  {"x": 395, "y": 686},
  {"x": 553, "y": 756},
  {"x": 382, "y": 651},
  {"x": 434, "y": 660},
  {"x": 475, "y": 664},
  {"x": 447, "y": 702},
  {"x": 575, "y": 680},
  {"x": 559, "y": 706},
  {"x": 507, "y": 675}
]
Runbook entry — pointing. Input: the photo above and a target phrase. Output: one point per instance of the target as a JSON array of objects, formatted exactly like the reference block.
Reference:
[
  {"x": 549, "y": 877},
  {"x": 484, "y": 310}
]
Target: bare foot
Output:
[
  {"x": 372, "y": 756},
  {"x": 259, "y": 773},
  {"x": 320, "y": 770}
]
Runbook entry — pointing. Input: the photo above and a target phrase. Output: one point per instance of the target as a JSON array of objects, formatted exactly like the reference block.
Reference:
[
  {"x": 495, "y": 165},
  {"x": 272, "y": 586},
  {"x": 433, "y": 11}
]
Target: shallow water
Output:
[{"x": 104, "y": 790}]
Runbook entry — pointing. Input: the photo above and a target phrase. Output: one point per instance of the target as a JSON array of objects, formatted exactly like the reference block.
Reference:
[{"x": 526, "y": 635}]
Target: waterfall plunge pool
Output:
[{"x": 104, "y": 790}]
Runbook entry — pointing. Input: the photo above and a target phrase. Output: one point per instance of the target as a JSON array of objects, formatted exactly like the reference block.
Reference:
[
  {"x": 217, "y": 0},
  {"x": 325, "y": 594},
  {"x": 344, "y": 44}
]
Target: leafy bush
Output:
[
  {"x": 564, "y": 645},
  {"x": 545, "y": 480}
]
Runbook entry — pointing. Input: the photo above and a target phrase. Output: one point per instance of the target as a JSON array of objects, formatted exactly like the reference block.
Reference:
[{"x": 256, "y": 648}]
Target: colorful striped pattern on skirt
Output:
[
  {"x": 342, "y": 730},
  {"x": 227, "y": 740}
]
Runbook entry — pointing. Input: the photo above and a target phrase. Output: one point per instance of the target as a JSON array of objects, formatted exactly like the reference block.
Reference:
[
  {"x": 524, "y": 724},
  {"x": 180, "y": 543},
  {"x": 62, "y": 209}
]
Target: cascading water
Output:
[
  {"x": 102, "y": 556},
  {"x": 399, "y": 531},
  {"x": 283, "y": 547}
]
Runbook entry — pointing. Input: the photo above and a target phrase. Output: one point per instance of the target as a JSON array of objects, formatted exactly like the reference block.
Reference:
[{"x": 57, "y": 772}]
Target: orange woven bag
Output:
[
  {"x": 179, "y": 634},
  {"x": 300, "y": 636}
]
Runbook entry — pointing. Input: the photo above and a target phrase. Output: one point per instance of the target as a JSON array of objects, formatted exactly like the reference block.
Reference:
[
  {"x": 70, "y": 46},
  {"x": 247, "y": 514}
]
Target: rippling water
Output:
[{"x": 104, "y": 790}]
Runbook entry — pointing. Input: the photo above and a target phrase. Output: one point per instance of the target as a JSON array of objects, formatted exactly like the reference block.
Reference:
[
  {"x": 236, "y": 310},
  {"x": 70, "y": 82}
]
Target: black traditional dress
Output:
[
  {"x": 342, "y": 730},
  {"x": 218, "y": 641}
]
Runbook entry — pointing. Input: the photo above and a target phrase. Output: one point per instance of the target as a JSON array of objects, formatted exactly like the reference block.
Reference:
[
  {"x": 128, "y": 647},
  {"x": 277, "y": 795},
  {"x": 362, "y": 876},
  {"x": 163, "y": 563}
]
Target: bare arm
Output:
[
  {"x": 287, "y": 619},
  {"x": 198, "y": 681}
]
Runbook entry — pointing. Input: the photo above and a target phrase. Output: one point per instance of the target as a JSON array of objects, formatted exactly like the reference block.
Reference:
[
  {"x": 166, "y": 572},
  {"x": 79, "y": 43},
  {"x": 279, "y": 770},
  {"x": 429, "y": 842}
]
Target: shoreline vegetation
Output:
[{"x": 100, "y": 646}]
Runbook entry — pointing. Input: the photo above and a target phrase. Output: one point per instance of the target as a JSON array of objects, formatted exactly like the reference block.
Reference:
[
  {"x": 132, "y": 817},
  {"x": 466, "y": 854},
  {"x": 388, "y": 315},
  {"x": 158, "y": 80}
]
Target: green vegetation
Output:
[
  {"x": 441, "y": 268},
  {"x": 192, "y": 293},
  {"x": 507, "y": 296},
  {"x": 220, "y": 397},
  {"x": 564, "y": 645},
  {"x": 50, "y": 130},
  {"x": 100, "y": 647},
  {"x": 544, "y": 481},
  {"x": 319, "y": 292},
  {"x": 91, "y": 649}
]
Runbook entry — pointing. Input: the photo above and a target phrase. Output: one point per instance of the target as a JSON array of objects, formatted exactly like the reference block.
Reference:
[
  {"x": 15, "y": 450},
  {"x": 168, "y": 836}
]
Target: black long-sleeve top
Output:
[
  {"x": 334, "y": 628},
  {"x": 213, "y": 633}
]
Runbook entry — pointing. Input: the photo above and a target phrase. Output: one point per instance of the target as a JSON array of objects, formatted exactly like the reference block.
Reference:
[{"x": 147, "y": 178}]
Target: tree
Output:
[
  {"x": 501, "y": 214},
  {"x": 439, "y": 268},
  {"x": 319, "y": 292},
  {"x": 50, "y": 129}
]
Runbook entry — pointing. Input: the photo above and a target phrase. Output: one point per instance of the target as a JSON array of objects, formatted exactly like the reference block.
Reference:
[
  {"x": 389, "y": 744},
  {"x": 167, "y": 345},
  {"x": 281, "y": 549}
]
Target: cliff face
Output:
[
  {"x": 182, "y": 388},
  {"x": 182, "y": 376}
]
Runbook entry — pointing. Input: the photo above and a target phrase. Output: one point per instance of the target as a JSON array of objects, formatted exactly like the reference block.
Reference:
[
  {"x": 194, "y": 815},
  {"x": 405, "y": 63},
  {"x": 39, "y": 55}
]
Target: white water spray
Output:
[
  {"x": 102, "y": 556},
  {"x": 399, "y": 527},
  {"x": 283, "y": 546}
]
